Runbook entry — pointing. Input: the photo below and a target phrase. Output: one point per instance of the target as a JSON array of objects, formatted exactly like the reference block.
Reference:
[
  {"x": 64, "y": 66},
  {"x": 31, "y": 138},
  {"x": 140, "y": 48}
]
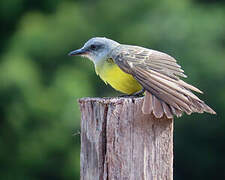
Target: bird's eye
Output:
[{"x": 93, "y": 47}]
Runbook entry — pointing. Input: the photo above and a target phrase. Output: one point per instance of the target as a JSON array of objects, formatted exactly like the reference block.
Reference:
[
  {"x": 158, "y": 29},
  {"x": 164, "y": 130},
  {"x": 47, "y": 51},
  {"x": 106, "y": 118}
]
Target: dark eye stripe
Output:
[{"x": 93, "y": 47}]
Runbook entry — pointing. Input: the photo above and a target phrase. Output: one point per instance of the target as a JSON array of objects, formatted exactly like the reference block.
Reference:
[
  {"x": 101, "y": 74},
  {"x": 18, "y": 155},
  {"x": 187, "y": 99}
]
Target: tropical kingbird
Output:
[{"x": 133, "y": 70}]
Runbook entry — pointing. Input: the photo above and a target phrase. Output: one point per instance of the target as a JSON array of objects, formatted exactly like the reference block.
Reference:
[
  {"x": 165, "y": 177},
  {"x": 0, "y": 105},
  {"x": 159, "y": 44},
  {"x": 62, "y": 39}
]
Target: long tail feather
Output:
[{"x": 170, "y": 97}]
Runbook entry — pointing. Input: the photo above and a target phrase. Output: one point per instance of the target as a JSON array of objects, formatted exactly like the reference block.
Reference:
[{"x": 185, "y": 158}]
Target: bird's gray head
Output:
[{"x": 96, "y": 49}]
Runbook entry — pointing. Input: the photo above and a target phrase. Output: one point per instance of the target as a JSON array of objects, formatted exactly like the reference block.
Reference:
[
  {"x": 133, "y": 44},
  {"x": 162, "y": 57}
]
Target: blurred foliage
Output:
[{"x": 40, "y": 85}]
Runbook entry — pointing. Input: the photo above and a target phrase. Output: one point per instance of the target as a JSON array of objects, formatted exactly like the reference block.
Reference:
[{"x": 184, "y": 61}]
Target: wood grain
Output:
[{"x": 119, "y": 142}]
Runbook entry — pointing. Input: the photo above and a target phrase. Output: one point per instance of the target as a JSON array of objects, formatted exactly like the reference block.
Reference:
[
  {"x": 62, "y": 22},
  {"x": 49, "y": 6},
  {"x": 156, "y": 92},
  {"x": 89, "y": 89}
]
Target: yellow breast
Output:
[{"x": 119, "y": 80}]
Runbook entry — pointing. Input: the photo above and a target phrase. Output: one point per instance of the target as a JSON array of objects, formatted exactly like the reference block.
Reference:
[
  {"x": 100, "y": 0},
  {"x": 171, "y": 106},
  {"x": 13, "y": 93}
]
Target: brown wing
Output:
[{"x": 159, "y": 74}]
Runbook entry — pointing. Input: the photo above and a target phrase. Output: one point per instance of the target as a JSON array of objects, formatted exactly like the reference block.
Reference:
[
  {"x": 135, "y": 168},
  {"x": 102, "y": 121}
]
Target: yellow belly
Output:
[{"x": 119, "y": 80}]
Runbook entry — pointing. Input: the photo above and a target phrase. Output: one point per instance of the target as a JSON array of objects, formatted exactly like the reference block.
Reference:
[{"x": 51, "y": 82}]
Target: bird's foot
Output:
[
  {"x": 136, "y": 94},
  {"x": 139, "y": 93},
  {"x": 124, "y": 95}
]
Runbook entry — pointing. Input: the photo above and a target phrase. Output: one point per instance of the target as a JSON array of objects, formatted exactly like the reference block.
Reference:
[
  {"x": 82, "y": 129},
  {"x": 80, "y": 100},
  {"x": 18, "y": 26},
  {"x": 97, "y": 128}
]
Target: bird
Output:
[{"x": 136, "y": 70}]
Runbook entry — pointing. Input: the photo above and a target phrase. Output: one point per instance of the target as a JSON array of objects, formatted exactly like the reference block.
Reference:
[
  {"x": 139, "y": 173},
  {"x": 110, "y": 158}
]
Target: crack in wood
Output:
[{"x": 119, "y": 142}]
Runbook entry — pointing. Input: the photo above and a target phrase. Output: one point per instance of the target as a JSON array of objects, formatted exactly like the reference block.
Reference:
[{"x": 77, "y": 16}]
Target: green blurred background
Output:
[{"x": 40, "y": 84}]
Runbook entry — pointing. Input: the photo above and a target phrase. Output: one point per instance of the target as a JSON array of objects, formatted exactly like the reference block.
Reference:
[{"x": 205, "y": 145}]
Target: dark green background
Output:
[{"x": 40, "y": 84}]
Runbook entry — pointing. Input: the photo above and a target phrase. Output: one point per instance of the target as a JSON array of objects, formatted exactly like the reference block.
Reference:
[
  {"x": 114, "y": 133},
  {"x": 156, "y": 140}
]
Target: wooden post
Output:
[{"x": 118, "y": 142}]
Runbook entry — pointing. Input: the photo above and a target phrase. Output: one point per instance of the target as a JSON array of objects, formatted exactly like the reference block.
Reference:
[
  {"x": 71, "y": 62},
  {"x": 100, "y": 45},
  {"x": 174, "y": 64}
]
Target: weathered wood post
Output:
[{"x": 119, "y": 142}]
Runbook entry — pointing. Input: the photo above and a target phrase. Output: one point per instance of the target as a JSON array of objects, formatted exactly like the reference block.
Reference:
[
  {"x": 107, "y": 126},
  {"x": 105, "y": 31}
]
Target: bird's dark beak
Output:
[{"x": 77, "y": 52}]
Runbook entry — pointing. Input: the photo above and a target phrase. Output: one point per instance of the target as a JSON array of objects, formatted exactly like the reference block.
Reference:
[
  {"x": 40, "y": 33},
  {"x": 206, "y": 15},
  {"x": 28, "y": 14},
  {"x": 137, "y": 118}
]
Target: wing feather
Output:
[{"x": 159, "y": 74}]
